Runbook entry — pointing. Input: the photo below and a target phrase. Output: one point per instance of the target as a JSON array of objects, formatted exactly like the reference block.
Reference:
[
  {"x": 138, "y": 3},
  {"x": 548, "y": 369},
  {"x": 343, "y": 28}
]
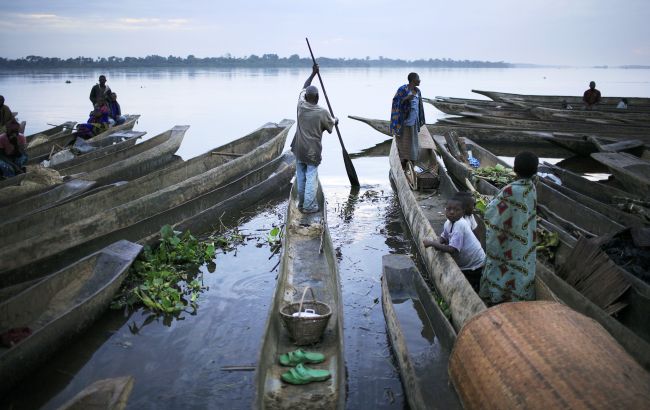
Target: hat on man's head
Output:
[{"x": 311, "y": 90}]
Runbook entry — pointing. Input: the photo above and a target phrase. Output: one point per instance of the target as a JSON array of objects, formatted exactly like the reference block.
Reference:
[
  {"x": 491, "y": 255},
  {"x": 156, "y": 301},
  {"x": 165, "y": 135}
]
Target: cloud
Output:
[{"x": 43, "y": 22}]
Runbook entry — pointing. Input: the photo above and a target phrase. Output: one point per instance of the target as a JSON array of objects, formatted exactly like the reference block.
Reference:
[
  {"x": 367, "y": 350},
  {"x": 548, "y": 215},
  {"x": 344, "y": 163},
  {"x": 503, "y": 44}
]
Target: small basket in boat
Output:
[{"x": 306, "y": 330}]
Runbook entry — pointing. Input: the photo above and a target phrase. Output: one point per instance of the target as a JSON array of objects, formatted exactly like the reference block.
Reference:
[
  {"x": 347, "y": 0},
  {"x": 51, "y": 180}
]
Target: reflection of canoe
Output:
[
  {"x": 632, "y": 172},
  {"x": 380, "y": 150},
  {"x": 63, "y": 139},
  {"x": 60, "y": 306},
  {"x": 420, "y": 334},
  {"x": 106, "y": 394},
  {"x": 303, "y": 264},
  {"x": 133, "y": 210},
  {"x": 634, "y": 103}
]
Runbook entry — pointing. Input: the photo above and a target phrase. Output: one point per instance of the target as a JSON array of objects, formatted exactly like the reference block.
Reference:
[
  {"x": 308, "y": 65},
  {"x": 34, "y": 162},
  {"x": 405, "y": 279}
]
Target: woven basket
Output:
[
  {"x": 306, "y": 330},
  {"x": 543, "y": 355}
]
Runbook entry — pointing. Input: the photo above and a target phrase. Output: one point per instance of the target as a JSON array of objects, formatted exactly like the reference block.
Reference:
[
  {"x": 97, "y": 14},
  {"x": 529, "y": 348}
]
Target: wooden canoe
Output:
[
  {"x": 120, "y": 140},
  {"x": 621, "y": 116},
  {"x": 46, "y": 246},
  {"x": 303, "y": 264},
  {"x": 420, "y": 335},
  {"x": 60, "y": 306},
  {"x": 559, "y": 208},
  {"x": 634, "y": 103},
  {"x": 469, "y": 110},
  {"x": 64, "y": 138},
  {"x": 106, "y": 394},
  {"x": 66, "y": 127},
  {"x": 632, "y": 172}
]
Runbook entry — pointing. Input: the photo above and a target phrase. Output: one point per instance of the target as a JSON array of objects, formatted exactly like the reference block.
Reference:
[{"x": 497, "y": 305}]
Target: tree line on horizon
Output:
[{"x": 252, "y": 61}]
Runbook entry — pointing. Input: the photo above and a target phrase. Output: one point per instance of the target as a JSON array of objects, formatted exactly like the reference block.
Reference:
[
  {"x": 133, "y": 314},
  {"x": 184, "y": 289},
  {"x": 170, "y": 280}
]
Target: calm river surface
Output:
[{"x": 178, "y": 363}]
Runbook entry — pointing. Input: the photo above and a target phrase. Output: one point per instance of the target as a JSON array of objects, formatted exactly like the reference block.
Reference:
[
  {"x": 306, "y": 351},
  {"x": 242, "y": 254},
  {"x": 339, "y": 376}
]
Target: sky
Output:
[{"x": 554, "y": 32}]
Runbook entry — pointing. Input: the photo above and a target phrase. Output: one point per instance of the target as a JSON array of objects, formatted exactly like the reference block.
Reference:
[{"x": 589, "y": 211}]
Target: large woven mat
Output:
[{"x": 543, "y": 355}]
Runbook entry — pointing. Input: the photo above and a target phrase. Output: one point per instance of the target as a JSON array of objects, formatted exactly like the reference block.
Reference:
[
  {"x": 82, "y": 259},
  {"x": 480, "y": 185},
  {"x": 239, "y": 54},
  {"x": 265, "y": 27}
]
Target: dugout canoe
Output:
[
  {"x": 105, "y": 394},
  {"x": 419, "y": 333},
  {"x": 308, "y": 259},
  {"x": 469, "y": 110},
  {"x": 267, "y": 142},
  {"x": 65, "y": 127},
  {"x": 559, "y": 208},
  {"x": 634, "y": 103},
  {"x": 500, "y": 140},
  {"x": 632, "y": 172},
  {"x": 621, "y": 116},
  {"x": 63, "y": 139},
  {"x": 131, "y": 162},
  {"x": 60, "y": 306},
  {"x": 157, "y": 201},
  {"x": 119, "y": 140}
]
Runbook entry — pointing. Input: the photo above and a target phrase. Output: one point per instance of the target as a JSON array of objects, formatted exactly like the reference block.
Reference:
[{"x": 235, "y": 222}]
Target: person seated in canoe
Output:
[
  {"x": 591, "y": 97},
  {"x": 97, "y": 122},
  {"x": 468, "y": 210},
  {"x": 406, "y": 118},
  {"x": 306, "y": 145},
  {"x": 5, "y": 114},
  {"x": 458, "y": 240},
  {"x": 510, "y": 220},
  {"x": 622, "y": 104},
  {"x": 13, "y": 150},
  {"x": 115, "y": 116}
]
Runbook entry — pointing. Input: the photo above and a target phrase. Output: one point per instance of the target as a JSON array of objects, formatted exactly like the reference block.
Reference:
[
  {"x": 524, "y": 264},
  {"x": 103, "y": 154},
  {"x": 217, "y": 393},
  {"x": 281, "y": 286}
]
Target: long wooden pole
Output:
[{"x": 349, "y": 168}]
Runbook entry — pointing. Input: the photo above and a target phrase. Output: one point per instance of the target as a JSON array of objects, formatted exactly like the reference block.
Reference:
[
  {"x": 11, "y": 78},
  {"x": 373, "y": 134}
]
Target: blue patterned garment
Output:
[
  {"x": 400, "y": 110},
  {"x": 509, "y": 273}
]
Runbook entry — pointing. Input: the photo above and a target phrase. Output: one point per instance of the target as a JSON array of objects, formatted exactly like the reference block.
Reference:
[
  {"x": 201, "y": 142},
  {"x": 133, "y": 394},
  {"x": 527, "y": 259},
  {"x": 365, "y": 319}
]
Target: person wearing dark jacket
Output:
[{"x": 99, "y": 91}]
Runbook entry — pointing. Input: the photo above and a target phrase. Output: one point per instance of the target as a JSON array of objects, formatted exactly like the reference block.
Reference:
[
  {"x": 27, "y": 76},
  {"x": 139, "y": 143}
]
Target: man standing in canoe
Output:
[
  {"x": 5, "y": 114},
  {"x": 591, "y": 97},
  {"x": 307, "y": 147},
  {"x": 99, "y": 91},
  {"x": 406, "y": 118}
]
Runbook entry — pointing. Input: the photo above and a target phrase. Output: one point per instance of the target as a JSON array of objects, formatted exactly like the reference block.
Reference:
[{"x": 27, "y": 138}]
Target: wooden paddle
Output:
[{"x": 349, "y": 168}]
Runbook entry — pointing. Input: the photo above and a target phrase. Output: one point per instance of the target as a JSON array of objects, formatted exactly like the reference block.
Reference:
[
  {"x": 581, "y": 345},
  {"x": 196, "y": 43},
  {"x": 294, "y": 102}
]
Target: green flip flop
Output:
[
  {"x": 304, "y": 375},
  {"x": 299, "y": 356}
]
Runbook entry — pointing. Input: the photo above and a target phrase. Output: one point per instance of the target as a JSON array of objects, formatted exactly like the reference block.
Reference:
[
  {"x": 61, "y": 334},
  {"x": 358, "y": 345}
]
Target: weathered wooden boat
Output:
[
  {"x": 105, "y": 394},
  {"x": 131, "y": 162},
  {"x": 40, "y": 201},
  {"x": 605, "y": 130},
  {"x": 46, "y": 146},
  {"x": 632, "y": 172},
  {"x": 620, "y": 116},
  {"x": 585, "y": 145},
  {"x": 634, "y": 103},
  {"x": 469, "y": 110},
  {"x": 120, "y": 140},
  {"x": 379, "y": 150},
  {"x": 170, "y": 196},
  {"x": 501, "y": 140},
  {"x": 552, "y": 204},
  {"x": 308, "y": 260},
  {"x": 60, "y": 306},
  {"x": 67, "y": 127},
  {"x": 420, "y": 334}
]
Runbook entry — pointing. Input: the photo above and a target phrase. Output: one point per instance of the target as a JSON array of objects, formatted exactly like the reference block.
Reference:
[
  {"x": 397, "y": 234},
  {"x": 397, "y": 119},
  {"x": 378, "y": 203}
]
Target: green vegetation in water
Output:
[
  {"x": 547, "y": 243},
  {"x": 481, "y": 202},
  {"x": 498, "y": 175},
  {"x": 166, "y": 279},
  {"x": 442, "y": 305}
]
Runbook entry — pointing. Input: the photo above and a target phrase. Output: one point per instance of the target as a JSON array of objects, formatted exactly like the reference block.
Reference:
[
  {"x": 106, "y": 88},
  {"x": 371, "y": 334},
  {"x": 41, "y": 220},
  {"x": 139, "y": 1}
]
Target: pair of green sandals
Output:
[{"x": 301, "y": 374}]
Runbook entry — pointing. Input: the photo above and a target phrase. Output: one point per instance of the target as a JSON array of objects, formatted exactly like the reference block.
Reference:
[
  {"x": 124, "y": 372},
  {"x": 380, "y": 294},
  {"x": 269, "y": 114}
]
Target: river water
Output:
[{"x": 180, "y": 363}]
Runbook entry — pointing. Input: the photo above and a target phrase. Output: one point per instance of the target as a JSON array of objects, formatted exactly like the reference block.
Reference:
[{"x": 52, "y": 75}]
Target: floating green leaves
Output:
[
  {"x": 167, "y": 279},
  {"x": 547, "y": 243},
  {"x": 498, "y": 175}
]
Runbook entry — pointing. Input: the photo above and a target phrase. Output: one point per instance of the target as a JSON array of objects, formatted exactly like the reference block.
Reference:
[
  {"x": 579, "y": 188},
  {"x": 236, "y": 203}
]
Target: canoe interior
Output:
[
  {"x": 632, "y": 172},
  {"x": 61, "y": 305},
  {"x": 106, "y": 394},
  {"x": 420, "y": 335},
  {"x": 303, "y": 265}
]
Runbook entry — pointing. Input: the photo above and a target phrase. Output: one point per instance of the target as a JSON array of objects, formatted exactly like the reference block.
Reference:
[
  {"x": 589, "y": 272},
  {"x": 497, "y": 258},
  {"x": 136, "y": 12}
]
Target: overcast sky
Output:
[{"x": 563, "y": 32}]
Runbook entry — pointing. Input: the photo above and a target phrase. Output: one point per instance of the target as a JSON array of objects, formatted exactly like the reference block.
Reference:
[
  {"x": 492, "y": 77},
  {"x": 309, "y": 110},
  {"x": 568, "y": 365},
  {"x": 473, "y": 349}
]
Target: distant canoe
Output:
[
  {"x": 61, "y": 306},
  {"x": 641, "y": 103}
]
